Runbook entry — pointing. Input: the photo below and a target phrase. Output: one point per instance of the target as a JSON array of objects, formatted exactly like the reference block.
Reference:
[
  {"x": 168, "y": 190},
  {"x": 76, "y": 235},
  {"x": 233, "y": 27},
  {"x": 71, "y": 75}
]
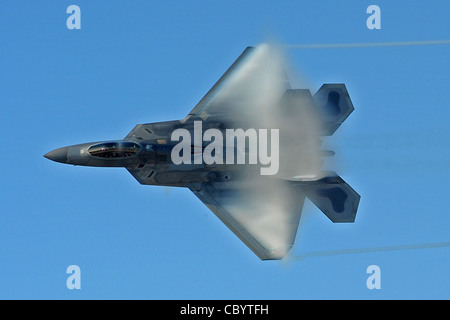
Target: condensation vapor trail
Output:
[
  {"x": 368, "y": 250},
  {"x": 367, "y": 44}
]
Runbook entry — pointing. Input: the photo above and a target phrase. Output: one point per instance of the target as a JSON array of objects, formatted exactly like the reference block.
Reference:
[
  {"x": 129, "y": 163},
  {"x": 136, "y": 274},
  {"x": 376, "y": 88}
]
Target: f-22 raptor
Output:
[{"x": 262, "y": 210}]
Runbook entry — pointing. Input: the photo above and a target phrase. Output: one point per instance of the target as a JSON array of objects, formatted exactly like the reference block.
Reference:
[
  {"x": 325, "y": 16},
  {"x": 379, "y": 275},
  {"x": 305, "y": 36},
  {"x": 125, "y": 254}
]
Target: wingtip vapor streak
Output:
[{"x": 263, "y": 211}]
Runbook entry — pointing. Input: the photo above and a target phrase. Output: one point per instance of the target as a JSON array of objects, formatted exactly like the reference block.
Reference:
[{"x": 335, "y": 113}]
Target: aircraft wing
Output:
[
  {"x": 264, "y": 218},
  {"x": 256, "y": 72}
]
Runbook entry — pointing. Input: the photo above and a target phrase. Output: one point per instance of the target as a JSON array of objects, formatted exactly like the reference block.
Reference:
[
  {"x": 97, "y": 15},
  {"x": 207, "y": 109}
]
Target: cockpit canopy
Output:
[{"x": 122, "y": 149}]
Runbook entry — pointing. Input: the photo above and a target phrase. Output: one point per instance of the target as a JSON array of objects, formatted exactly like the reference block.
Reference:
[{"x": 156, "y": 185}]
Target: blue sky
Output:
[{"x": 147, "y": 61}]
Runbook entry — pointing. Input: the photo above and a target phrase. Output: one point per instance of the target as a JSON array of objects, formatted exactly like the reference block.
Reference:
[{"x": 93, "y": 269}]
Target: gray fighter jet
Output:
[{"x": 253, "y": 95}]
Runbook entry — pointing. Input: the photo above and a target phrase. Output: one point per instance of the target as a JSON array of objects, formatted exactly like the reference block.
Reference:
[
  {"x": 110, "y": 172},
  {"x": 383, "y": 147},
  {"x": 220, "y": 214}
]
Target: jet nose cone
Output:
[{"x": 58, "y": 155}]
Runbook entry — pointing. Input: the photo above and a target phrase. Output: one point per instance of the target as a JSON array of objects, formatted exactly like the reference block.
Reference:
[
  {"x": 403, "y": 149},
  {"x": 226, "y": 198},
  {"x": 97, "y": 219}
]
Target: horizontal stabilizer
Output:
[
  {"x": 334, "y": 104},
  {"x": 333, "y": 196}
]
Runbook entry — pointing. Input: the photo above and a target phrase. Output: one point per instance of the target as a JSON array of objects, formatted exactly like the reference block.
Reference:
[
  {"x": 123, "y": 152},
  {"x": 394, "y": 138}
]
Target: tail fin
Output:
[
  {"x": 333, "y": 196},
  {"x": 335, "y": 105}
]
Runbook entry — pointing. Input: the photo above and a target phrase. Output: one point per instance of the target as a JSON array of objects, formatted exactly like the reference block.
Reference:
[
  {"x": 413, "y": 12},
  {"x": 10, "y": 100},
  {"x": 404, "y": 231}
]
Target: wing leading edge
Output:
[
  {"x": 244, "y": 86},
  {"x": 198, "y": 109}
]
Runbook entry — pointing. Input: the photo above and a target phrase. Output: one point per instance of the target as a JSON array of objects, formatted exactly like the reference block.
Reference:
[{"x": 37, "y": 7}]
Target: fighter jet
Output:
[{"x": 249, "y": 150}]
